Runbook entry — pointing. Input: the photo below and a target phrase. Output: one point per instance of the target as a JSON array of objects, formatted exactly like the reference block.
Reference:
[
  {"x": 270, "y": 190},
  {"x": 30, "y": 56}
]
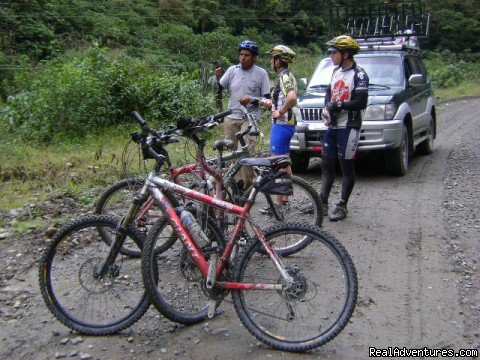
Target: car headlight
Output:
[{"x": 380, "y": 112}]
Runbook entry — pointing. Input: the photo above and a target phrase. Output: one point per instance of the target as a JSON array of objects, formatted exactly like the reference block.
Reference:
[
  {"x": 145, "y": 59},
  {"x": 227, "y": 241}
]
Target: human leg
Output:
[
  {"x": 230, "y": 128},
  {"x": 246, "y": 173},
  {"x": 347, "y": 143},
  {"x": 328, "y": 166},
  {"x": 280, "y": 136}
]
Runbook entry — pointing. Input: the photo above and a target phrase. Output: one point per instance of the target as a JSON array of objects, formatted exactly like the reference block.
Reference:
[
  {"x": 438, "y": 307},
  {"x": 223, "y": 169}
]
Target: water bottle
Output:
[{"x": 195, "y": 230}]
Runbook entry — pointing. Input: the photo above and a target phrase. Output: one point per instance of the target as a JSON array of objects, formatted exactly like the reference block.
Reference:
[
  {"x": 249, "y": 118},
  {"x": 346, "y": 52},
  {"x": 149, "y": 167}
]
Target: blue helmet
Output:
[{"x": 248, "y": 45}]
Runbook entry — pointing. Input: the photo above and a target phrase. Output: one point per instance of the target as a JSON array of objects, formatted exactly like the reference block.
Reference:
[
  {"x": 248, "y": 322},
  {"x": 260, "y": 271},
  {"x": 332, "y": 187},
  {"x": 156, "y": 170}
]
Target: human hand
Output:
[
  {"x": 245, "y": 100},
  {"x": 267, "y": 103},
  {"x": 333, "y": 106},
  {"x": 326, "y": 116}
]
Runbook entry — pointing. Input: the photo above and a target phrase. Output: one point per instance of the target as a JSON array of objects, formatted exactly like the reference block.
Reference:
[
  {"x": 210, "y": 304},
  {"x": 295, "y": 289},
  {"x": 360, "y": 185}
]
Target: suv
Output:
[{"x": 400, "y": 117}]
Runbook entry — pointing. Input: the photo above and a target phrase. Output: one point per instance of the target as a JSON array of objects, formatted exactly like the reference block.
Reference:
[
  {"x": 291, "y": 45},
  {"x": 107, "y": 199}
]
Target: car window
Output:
[
  {"x": 381, "y": 70},
  {"x": 421, "y": 67},
  {"x": 412, "y": 66},
  {"x": 322, "y": 74}
]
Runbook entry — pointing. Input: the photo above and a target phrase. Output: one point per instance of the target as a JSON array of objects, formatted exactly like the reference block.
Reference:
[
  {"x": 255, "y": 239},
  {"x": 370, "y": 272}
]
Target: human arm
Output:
[
  {"x": 252, "y": 99},
  {"x": 359, "y": 97},
  {"x": 358, "y": 102},
  {"x": 290, "y": 101}
]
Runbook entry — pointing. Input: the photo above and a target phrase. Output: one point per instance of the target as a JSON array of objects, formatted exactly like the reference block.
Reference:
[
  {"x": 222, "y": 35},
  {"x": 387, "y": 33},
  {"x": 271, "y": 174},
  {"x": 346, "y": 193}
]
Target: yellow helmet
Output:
[
  {"x": 285, "y": 53},
  {"x": 343, "y": 43}
]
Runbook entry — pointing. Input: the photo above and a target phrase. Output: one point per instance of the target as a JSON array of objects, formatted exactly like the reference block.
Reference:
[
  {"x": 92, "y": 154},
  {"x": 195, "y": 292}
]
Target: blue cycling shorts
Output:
[
  {"x": 280, "y": 136},
  {"x": 341, "y": 143}
]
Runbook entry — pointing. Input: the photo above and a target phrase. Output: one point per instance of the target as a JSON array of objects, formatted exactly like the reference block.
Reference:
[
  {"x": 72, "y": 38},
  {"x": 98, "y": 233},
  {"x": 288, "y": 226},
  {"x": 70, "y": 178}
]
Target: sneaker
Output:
[{"x": 339, "y": 213}]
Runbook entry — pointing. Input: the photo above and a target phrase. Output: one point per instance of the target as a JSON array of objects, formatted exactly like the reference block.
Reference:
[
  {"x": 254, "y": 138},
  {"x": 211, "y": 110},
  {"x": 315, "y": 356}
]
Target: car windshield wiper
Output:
[
  {"x": 383, "y": 86},
  {"x": 318, "y": 86}
]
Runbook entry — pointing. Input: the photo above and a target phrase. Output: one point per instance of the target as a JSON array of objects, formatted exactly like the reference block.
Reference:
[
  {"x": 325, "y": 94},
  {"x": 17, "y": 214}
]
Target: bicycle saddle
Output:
[
  {"x": 274, "y": 162},
  {"x": 223, "y": 144}
]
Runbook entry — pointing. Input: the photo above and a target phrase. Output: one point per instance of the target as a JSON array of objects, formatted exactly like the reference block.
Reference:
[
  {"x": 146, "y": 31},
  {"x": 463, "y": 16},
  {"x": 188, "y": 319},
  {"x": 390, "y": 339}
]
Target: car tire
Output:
[
  {"x": 426, "y": 146},
  {"x": 299, "y": 162},
  {"x": 396, "y": 160}
]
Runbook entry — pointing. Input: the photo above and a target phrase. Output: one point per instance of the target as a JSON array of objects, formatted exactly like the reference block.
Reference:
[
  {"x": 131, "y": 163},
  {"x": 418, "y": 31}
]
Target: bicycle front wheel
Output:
[
  {"x": 307, "y": 312},
  {"x": 74, "y": 292},
  {"x": 115, "y": 200}
]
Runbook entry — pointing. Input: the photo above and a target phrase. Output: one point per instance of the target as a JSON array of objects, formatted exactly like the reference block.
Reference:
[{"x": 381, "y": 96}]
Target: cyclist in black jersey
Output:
[{"x": 347, "y": 96}]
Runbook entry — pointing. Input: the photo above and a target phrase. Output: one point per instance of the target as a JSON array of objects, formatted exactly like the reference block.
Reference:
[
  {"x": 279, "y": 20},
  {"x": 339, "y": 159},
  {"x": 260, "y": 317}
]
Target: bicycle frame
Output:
[
  {"x": 154, "y": 186},
  {"x": 201, "y": 167}
]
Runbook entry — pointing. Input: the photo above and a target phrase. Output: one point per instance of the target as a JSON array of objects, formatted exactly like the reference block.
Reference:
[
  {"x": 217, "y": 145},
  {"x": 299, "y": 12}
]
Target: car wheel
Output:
[
  {"x": 426, "y": 146},
  {"x": 396, "y": 160},
  {"x": 299, "y": 162}
]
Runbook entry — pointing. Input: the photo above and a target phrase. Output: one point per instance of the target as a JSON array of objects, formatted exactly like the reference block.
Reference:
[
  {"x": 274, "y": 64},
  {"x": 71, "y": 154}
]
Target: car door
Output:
[
  {"x": 415, "y": 95},
  {"x": 425, "y": 91}
]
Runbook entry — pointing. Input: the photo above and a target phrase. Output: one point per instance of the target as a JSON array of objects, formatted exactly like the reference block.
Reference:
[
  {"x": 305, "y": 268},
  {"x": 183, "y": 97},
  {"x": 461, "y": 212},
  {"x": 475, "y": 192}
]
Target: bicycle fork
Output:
[{"x": 120, "y": 236}]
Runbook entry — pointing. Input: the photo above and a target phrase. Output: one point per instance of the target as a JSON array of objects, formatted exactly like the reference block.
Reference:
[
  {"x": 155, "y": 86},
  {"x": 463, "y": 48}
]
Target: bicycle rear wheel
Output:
[
  {"x": 304, "y": 206},
  {"x": 73, "y": 291},
  {"x": 314, "y": 308},
  {"x": 179, "y": 292}
]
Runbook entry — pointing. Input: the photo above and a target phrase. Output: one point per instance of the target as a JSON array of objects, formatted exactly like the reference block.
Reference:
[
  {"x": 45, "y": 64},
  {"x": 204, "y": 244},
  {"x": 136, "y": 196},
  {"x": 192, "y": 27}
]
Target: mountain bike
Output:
[
  {"x": 293, "y": 303},
  {"x": 304, "y": 206}
]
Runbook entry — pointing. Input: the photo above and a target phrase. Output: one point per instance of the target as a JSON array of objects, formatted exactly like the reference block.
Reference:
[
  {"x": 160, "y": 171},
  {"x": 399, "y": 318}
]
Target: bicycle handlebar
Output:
[
  {"x": 221, "y": 115},
  {"x": 143, "y": 124}
]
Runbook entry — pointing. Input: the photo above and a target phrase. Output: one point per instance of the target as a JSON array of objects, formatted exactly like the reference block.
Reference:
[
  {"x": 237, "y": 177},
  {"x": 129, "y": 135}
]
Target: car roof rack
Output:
[
  {"x": 406, "y": 42},
  {"x": 383, "y": 25}
]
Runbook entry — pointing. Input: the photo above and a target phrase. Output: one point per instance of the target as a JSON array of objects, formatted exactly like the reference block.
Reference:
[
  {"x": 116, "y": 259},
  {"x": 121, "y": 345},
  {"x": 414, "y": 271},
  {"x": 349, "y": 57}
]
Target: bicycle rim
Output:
[
  {"x": 116, "y": 200},
  {"x": 75, "y": 295},
  {"x": 179, "y": 292},
  {"x": 312, "y": 311}
]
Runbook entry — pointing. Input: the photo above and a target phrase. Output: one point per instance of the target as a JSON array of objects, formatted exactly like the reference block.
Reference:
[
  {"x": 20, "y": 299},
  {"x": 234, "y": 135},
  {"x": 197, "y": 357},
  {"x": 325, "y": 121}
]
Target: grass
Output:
[
  {"x": 467, "y": 88},
  {"x": 29, "y": 175}
]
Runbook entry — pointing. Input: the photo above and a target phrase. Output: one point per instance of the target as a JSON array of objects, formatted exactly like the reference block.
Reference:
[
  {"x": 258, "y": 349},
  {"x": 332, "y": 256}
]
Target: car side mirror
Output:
[
  {"x": 416, "y": 80},
  {"x": 302, "y": 84}
]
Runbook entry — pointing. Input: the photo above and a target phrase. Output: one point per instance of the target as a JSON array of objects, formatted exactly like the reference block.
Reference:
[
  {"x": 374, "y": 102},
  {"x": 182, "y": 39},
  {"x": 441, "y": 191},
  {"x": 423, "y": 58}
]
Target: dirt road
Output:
[{"x": 414, "y": 241}]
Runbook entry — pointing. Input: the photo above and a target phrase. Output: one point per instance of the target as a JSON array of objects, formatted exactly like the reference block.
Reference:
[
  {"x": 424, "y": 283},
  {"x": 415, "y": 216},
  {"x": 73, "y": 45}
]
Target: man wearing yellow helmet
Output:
[
  {"x": 346, "y": 97},
  {"x": 283, "y": 105}
]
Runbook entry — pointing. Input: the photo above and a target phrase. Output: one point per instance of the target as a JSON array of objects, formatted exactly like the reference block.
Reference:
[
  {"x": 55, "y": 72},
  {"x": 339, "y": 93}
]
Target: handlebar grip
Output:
[
  {"x": 143, "y": 124},
  {"x": 221, "y": 115},
  {"x": 139, "y": 119}
]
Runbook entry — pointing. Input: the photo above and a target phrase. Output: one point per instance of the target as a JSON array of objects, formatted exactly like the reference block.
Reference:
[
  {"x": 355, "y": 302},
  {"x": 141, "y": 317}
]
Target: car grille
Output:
[{"x": 312, "y": 114}]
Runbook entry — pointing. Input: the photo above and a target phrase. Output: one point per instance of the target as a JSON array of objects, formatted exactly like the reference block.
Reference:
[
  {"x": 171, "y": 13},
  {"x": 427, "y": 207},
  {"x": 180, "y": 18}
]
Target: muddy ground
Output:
[{"x": 414, "y": 241}]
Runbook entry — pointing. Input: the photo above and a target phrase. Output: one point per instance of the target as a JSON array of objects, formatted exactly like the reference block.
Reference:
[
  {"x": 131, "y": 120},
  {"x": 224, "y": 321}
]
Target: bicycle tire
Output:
[
  {"x": 179, "y": 293},
  {"x": 315, "y": 309},
  {"x": 115, "y": 200},
  {"x": 305, "y": 207},
  {"x": 72, "y": 292}
]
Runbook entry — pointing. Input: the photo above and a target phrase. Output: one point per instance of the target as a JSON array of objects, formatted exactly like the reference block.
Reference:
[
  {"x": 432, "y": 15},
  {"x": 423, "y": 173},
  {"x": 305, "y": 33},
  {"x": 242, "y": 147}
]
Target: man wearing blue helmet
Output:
[{"x": 246, "y": 82}]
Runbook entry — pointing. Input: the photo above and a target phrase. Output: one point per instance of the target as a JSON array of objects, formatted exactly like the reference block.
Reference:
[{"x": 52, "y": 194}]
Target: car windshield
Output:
[{"x": 381, "y": 70}]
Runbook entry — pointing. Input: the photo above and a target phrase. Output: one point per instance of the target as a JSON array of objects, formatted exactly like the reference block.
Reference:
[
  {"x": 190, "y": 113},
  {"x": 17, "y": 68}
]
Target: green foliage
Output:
[
  {"x": 83, "y": 93},
  {"x": 448, "y": 76},
  {"x": 71, "y": 67}
]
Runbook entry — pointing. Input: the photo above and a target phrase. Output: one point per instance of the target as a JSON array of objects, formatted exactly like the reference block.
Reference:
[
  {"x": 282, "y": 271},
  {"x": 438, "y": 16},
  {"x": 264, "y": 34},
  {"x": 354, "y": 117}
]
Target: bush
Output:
[
  {"x": 448, "y": 76},
  {"x": 78, "y": 94}
]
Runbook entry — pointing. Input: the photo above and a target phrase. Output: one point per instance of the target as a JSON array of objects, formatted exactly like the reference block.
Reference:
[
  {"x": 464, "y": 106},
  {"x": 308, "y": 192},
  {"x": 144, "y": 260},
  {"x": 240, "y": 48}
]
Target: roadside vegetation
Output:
[{"x": 68, "y": 86}]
